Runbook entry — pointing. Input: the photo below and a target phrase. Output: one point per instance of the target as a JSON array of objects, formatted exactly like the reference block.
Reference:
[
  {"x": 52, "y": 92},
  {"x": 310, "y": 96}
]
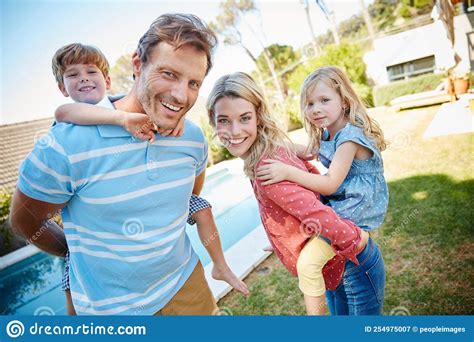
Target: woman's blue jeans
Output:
[{"x": 362, "y": 288}]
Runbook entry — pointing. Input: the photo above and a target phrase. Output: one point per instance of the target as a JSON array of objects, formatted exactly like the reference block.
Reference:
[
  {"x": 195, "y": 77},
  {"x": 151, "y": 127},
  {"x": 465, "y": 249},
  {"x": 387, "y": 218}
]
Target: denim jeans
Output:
[{"x": 362, "y": 288}]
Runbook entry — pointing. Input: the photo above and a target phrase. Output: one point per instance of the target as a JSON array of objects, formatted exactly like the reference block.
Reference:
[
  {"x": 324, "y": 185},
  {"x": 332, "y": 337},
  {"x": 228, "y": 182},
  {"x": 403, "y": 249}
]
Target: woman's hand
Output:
[{"x": 273, "y": 172}]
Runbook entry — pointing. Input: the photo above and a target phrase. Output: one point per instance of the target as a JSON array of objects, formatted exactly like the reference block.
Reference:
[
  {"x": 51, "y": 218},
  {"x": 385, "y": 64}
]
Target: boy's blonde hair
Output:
[
  {"x": 355, "y": 111},
  {"x": 269, "y": 136},
  {"x": 77, "y": 53}
]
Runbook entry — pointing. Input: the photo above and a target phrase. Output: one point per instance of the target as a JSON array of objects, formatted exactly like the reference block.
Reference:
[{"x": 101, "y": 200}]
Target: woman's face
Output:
[{"x": 236, "y": 124}]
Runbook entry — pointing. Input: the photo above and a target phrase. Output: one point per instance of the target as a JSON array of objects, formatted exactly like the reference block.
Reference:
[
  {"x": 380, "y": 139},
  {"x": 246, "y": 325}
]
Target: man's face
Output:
[
  {"x": 168, "y": 84},
  {"x": 85, "y": 83}
]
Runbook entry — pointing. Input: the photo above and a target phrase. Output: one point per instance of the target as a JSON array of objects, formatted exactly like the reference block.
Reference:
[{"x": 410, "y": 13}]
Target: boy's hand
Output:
[
  {"x": 139, "y": 125},
  {"x": 273, "y": 172},
  {"x": 223, "y": 272},
  {"x": 302, "y": 153},
  {"x": 176, "y": 132}
]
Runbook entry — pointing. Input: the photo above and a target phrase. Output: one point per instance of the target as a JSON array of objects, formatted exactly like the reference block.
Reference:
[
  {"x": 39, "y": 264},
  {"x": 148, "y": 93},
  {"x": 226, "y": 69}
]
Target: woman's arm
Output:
[{"x": 276, "y": 171}]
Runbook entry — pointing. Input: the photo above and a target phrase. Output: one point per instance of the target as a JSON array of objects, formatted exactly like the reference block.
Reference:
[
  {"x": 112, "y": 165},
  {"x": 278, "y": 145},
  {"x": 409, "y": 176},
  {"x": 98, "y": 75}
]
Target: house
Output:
[{"x": 421, "y": 50}]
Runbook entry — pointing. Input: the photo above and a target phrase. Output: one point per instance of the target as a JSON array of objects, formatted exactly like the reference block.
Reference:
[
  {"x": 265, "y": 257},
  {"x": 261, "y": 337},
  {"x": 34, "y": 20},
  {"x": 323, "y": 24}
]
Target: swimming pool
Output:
[{"x": 33, "y": 286}]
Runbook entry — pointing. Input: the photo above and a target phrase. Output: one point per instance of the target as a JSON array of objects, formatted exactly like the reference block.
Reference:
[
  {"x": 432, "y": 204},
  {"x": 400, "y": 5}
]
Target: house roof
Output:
[{"x": 17, "y": 140}]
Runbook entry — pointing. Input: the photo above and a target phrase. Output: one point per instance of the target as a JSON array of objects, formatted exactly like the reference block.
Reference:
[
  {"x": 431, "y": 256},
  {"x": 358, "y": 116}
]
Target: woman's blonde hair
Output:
[
  {"x": 269, "y": 136},
  {"x": 354, "y": 111}
]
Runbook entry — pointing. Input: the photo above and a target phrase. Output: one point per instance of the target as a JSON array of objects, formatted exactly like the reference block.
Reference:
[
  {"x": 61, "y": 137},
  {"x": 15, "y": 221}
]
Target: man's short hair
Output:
[
  {"x": 178, "y": 30},
  {"x": 77, "y": 53}
]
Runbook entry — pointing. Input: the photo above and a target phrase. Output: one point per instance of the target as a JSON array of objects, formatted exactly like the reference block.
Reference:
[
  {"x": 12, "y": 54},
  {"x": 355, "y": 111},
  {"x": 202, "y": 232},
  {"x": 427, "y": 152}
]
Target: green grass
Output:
[{"x": 427, "y": 239}]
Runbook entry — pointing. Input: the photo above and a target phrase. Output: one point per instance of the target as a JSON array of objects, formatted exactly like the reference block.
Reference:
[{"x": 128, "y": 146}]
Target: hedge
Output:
[{"x": 385, "y": 93}]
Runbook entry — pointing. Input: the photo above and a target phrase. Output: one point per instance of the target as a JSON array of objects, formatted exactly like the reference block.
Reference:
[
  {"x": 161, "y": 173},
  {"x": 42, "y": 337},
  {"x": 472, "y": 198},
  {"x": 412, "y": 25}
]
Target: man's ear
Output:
[
  {"x": 136, "y": 64},
  {"x": 63, "y": 90},
  {"x": 107, "y": 83}
]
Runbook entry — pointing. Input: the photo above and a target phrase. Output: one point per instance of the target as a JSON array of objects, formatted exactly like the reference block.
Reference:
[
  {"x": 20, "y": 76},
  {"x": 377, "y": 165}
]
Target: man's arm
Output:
[{"x": 31, "y": 219}]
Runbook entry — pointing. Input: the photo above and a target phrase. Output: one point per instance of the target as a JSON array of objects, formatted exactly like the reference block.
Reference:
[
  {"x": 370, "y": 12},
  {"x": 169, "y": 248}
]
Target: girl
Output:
[
  {"x": 349, "y": 144},
  {"x": 292, "y": 215}
]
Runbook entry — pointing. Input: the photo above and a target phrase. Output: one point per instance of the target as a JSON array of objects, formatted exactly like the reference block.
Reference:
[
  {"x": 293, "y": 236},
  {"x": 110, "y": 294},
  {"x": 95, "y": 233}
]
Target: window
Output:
[{"x": 414, "y": 68}]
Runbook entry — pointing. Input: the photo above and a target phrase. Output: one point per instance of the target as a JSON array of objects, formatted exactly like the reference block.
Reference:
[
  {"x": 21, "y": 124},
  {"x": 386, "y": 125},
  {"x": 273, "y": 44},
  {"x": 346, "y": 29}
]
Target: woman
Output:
[{"x": 293, "y": 217}]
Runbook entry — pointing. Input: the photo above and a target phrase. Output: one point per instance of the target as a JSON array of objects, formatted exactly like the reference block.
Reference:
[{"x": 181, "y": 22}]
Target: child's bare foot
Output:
[
  {"x": 225, "y": 274},
  {"x": 269, "y": 248}
]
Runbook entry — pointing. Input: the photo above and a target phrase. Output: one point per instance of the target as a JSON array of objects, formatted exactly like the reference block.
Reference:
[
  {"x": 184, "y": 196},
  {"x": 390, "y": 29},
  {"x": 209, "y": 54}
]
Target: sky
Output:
[{"x": 31, "y": 32}]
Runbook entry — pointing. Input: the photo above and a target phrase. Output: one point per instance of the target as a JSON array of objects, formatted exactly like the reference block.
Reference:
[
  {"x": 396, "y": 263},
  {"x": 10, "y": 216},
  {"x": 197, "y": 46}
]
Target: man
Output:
[{"x": 125, "y": 202}]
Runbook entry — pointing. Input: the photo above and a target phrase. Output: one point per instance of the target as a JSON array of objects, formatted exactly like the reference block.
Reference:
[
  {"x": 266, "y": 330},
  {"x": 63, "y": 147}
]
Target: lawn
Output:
[{"x": 427, "y": 239}]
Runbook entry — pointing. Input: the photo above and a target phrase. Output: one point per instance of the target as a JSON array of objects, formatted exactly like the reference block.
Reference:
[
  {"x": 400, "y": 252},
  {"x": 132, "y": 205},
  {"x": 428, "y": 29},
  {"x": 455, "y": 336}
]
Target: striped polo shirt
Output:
[{"x": 127, "y": 205}]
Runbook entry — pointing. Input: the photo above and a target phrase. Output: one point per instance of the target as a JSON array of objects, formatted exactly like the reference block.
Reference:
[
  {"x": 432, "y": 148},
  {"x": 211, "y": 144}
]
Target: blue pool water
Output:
[{"x": 33, "y": 286}]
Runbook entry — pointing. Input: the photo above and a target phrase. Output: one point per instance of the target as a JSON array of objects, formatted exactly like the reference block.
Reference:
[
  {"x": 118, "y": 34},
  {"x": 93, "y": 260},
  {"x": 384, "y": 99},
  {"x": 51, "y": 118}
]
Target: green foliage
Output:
[
  {"x": 217, "y": 152},
  {"x": 346, "y": 56},
  {"x": 292, "y": 109},
  {"x": 352, "y": 26},
  {"x": 6, "y": 234},
  {"x": 121, "y": 75},
  {"x": 385, "y": 93},
  {"x": 383, "y": 14},
  {"x": 5, "y": 202},
  {"x": 282, "y": 56},
  {"x": 404, "y": 11}
]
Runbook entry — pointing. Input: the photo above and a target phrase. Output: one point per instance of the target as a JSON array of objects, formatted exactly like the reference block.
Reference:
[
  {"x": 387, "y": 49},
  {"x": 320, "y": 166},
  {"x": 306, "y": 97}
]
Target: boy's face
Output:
[
  {"x": 168, "y": 84},
  {"x": 84, "y": 83}
]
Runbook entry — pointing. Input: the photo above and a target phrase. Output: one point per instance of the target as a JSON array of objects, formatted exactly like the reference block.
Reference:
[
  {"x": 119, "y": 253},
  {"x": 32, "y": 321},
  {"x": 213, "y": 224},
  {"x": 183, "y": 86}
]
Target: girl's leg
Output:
[
  {"x": 315, "y": 254},
  {"x": 364, "y": 284},
  {"x": 315, "y": 305}
]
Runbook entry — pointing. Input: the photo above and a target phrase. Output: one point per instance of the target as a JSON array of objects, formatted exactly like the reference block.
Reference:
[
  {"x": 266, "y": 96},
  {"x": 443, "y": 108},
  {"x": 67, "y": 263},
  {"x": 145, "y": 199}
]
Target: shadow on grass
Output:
[
  {"x": 427, "y": 241},
  {"x": 428, "y": 246}
]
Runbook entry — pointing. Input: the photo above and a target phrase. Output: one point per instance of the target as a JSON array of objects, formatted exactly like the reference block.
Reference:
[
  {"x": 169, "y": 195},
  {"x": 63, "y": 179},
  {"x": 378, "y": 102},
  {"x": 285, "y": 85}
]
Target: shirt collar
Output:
[{"x": 110, "y": 131}]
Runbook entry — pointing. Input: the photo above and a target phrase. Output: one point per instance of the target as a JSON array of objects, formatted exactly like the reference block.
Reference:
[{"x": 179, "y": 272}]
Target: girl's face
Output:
[
  {"x": 236, "y": 124},
  {"x": 324, "y": 107}
]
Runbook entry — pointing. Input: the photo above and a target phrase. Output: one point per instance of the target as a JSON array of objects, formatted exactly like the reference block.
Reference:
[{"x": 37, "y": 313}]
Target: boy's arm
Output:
[
  {"x": 137, "y": 124},
  {"x": 87, "y": 114},
  {"x": 276, "y": 171}
]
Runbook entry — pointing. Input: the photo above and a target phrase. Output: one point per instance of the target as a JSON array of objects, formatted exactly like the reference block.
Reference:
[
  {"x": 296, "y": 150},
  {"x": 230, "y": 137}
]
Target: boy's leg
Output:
[
  {"x": 69, "y": 306},
  {"x": 315, "y": 254},
  {"x": 209, "y": 236}
]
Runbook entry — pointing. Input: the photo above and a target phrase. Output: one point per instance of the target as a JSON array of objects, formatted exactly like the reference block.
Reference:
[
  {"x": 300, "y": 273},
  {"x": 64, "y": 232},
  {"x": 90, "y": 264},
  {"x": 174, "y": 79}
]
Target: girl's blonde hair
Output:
[
  {"x": 269, "y": 136},
  {"x": 355, "y": 111}
]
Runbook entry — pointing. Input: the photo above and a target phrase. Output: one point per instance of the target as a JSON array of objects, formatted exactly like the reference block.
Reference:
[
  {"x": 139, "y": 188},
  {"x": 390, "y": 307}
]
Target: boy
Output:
[{"x": 82, "y": 73}]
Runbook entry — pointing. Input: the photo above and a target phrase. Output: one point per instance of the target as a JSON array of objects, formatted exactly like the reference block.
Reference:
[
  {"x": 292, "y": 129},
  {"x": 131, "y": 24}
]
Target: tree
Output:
[
  {"x": 310, "y": 25},
  {"x": 231, "y": 15},
  {"x": 121, "y": 75},
  {"x": 283, "y": 56},
  {"x": 383, "y": 12},
  {"x": 368, "y": 21}
]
